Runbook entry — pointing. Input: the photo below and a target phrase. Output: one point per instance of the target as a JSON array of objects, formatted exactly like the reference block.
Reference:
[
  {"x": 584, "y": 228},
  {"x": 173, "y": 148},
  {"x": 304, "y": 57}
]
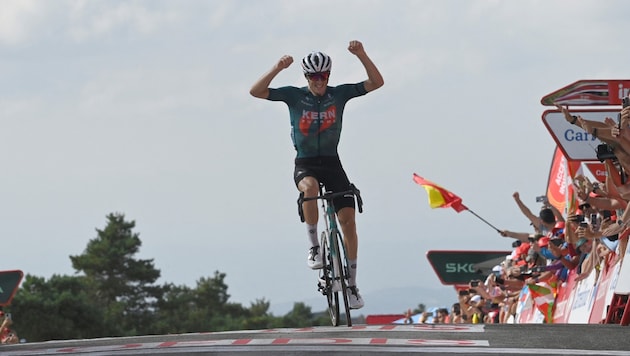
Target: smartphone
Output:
[
  {"x": 463, "y": 292},
  {"x": 557, "y": 242},
  {"x": 578, "y": 218},
  {"x": 541, "y": 199},
  {"x": 474, "y": 283},
  {"x": 584, "y": 224}
]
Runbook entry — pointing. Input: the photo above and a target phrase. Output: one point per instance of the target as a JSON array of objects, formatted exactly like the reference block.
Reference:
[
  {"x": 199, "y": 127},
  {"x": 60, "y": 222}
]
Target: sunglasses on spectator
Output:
[{"x": 318, "y": 76}]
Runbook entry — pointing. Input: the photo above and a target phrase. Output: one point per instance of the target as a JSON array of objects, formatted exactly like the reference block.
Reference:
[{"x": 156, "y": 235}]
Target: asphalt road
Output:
[{"x": 358, "y": 340}]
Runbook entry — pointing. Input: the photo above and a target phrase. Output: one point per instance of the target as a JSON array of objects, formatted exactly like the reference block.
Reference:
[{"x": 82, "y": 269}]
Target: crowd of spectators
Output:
[{"x": 593, "y": 235}]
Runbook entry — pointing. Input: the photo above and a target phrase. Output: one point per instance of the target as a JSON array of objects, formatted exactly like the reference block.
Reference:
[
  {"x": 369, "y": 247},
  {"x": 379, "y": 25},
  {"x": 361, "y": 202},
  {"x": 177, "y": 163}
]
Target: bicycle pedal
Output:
[{"x": 321, "y": 285}]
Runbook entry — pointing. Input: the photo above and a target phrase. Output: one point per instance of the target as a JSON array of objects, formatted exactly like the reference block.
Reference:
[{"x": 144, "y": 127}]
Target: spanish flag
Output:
[{"x": 440, "y": 197}]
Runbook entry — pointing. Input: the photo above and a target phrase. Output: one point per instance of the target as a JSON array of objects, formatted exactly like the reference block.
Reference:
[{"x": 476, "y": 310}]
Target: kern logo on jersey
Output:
[{"x": 323, "y": 120}]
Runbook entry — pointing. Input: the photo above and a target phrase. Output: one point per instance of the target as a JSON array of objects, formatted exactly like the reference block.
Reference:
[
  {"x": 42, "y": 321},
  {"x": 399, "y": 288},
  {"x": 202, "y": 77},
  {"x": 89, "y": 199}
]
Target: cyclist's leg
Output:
[
  {"x": 306, "y": 183},
  {"x": 347, "y": 222},
  {"x": 337, "y": 180},
  {"x": 310, "y": 187}
]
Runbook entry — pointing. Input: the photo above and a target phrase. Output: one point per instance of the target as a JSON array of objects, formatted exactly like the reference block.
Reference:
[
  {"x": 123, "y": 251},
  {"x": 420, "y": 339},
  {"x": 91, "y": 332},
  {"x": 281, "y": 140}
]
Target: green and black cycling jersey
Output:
[{"x": 316, "y": 120}]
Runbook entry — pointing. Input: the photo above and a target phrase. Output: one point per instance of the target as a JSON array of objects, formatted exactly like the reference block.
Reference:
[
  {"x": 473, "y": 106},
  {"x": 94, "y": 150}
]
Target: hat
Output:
[
  {"x": 497, "y": 268},
  {"x": 543, "y": 241},
  {"x": 523, "y": 249},
  {"x": 612, "y": 245},
  {"x": 475, "y": 298}
]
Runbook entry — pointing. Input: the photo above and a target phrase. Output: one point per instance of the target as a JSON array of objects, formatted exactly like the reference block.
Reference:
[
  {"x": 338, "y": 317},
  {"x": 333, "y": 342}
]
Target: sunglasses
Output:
[{"x": 318, "y": 76}]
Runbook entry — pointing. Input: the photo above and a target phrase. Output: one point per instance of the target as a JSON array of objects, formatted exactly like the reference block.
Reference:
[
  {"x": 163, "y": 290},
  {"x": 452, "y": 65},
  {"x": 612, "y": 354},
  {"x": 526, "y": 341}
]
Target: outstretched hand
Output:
[
  {"x": 284, "y": 62},
  {"x": 356, "y": 47},
  {"x": 565, "y": 112}
]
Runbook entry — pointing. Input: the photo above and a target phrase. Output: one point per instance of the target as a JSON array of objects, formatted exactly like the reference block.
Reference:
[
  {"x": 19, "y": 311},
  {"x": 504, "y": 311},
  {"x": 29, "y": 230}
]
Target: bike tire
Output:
[
  {"x": 328, "y": 275},
  {"x": 342, "y": 274}
]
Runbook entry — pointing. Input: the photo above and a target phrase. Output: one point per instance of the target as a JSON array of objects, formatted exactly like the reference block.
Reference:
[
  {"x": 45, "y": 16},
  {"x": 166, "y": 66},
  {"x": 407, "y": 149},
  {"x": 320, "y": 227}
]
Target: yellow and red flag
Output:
[{"x": 440, "y": 197}]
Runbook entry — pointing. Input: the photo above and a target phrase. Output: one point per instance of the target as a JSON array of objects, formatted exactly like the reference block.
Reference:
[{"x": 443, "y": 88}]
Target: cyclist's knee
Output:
[
  {"x": 309, "y": 185},
  {"x": 346, "y": 218}
]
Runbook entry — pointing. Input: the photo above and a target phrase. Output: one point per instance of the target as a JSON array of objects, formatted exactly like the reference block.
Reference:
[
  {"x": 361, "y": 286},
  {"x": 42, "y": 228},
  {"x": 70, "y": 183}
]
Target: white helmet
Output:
[{"x": 316, "y": 62}]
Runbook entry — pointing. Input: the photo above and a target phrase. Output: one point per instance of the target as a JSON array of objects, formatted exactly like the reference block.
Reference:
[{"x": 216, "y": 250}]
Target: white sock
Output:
[
  {"x": 311, "y": 231},
  {"x": 352, "y": 279}
]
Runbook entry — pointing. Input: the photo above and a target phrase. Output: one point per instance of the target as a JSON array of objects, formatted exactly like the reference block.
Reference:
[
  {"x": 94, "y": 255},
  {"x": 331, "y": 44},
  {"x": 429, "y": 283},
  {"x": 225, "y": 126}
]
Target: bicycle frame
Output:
[{"x": 335, "y": 272}]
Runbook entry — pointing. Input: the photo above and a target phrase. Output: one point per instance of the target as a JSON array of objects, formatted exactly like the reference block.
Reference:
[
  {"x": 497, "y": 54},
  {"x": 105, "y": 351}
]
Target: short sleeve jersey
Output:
[{"x": 316, "y": 121}]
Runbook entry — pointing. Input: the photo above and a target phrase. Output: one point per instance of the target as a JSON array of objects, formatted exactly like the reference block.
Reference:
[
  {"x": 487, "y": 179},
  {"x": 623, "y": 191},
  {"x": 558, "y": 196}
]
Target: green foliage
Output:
[
  {"x": 114, "y": 294},
  {"x": 124, "y": 285},
  {"x": 60, "y": 308}
]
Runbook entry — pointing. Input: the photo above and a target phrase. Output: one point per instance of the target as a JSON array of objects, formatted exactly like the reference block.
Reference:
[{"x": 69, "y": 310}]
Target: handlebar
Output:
[{"x": 329, "y": 197}]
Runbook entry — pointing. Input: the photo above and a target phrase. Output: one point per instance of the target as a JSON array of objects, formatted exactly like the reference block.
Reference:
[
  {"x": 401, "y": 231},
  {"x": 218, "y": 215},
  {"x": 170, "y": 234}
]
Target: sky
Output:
[{"x": 143, "y": 108}]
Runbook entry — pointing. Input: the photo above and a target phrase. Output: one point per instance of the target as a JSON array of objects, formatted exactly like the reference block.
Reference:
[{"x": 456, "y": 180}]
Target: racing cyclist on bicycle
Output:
[{"x": 316, "y": 113}]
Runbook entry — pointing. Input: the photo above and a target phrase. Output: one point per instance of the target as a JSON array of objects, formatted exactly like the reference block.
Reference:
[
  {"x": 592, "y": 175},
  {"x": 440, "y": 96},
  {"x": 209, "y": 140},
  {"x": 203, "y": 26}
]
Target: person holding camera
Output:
[{"x": 546, "y": 219}]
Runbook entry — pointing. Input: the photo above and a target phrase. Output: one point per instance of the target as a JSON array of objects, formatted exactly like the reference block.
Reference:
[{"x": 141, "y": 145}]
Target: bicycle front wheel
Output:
[
  {"x": 328, "y": 277},
  {"x": 341, "y": 273}
]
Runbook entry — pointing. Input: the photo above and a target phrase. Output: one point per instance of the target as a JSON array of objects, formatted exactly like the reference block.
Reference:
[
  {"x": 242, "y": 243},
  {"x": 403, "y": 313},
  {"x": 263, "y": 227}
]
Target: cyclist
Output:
[{"x": 316, "y": 116}]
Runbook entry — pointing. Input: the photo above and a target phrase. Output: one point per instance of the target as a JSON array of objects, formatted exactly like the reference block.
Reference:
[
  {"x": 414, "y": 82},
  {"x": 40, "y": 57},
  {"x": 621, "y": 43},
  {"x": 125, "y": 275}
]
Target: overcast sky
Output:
[{"x": 142, "y": 108}]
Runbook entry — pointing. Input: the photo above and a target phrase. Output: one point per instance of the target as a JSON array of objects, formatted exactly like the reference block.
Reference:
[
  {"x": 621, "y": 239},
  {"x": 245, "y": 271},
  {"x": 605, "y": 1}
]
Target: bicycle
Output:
[{"x": 333, "y": 276}]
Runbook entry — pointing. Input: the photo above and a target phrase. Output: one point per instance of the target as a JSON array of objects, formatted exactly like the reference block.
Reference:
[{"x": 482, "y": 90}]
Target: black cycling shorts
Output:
[{"x": 330, "y": 172}]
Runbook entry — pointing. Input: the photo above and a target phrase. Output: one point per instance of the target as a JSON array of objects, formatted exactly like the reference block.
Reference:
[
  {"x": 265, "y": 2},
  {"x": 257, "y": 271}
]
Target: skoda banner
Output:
[{"x": 460, "y": 267}]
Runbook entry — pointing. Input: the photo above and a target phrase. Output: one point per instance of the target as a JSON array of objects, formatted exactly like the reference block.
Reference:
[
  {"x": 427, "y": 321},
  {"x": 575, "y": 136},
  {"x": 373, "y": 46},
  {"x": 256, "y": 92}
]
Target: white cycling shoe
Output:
[
  {"x": 354, "y": 298},
  {"x": 314, "y": 259}
]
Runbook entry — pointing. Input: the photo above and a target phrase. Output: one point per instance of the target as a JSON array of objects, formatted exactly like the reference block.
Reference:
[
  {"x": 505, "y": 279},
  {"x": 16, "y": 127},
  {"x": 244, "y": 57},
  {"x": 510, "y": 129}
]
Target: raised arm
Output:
[
  {"x": 535, "y": 220},
  {"x": 375, "y": 79},
  {"x": 260, "y": 89}
]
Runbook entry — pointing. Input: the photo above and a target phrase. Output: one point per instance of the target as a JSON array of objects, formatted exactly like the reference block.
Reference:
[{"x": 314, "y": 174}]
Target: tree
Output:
[
  {"x": 300, "y": 316},
  {"x": 57, "y": 309},
  {"x": 123, "y": 284},
  {"x": 212, "y": 301},
  {"x": 174, "y": 310}
]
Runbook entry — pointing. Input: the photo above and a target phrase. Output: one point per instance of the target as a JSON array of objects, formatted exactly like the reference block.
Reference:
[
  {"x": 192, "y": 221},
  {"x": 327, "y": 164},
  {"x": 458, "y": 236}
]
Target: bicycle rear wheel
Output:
[
  {"x": 328, "y": 278},
  {"x": 342, "y": 273}
]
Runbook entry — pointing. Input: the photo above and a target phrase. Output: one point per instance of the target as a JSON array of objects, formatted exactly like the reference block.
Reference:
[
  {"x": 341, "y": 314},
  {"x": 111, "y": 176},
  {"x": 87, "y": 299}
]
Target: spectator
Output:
[
  {"x": 456, "y": 314},
  {"x": 7, "y": 335},
  {"x": 442, "y": 316},
  {"x": 408, "y": 317},
  {"x": 424, "y": 318},
  {"x": 546, "y": 218}
]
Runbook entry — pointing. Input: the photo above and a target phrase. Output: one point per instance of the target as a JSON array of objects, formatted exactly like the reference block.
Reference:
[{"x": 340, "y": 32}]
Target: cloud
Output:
[
  {"x": 89, "y": 19},
  {"x": 16, "y": 17}
]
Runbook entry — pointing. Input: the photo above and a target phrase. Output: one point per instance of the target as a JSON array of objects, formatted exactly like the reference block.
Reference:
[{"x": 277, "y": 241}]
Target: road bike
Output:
[{"x": 333, "y": 277}]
